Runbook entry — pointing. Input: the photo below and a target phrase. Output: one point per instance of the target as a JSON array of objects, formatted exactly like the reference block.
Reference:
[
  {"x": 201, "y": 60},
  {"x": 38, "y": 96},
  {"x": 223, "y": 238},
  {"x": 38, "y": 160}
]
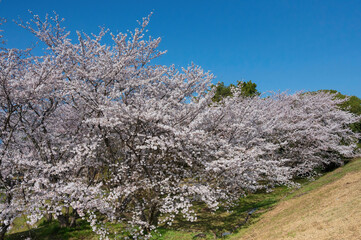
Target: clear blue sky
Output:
[{"x": 280, "y": 45}]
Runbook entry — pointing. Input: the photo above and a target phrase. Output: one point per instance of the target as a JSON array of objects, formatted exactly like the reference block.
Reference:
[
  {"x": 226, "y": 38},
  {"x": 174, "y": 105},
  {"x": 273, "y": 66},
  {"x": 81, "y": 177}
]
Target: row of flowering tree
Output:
[{"x": 95, "y": 131}]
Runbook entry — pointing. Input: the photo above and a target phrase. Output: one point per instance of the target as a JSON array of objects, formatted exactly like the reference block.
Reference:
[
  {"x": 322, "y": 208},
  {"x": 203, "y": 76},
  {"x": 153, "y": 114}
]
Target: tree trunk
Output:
[
  {"x": 73, "y": 217},
  {"x": 3, "y": 230},
  {"x": 48, "y": 217},
  {"x": 63, "y": 220},
  {"x": 152, "y": 217},
  {"x": 68, "y": 219}
]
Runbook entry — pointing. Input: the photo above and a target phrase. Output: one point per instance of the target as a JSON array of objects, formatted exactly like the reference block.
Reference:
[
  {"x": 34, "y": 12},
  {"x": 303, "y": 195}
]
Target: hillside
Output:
[{"x": 329, "y": 208}]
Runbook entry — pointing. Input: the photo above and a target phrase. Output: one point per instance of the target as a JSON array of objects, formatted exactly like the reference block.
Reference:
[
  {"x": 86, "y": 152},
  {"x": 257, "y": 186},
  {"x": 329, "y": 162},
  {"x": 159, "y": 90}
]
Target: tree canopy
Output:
[
  {"x": 97, "y": 131},
  {"x": 248, "y": 89}
]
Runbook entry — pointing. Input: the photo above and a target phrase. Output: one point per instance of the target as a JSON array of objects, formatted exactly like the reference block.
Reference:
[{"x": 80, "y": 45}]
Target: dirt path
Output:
[{"x": 332, "y": 212}]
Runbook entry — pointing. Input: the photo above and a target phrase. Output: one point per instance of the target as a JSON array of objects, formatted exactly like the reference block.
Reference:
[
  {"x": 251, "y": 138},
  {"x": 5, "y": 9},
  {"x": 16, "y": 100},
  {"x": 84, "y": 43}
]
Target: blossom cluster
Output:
[{"x": 95, "y": 131}]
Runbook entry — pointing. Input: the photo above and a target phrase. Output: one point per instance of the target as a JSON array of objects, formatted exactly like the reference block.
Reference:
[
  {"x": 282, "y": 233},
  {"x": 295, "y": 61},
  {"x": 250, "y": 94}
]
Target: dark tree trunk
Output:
[
  {"x": 63, "y": 220},
  {"x": 73, "y": 217},
  {"x": 151, "y": 217},
  {"x": 68, "y": 219},
  {"x": 3, "y": 230},
  {"x": 48, "y": 217},
  {"x": 154, "y": 215}
]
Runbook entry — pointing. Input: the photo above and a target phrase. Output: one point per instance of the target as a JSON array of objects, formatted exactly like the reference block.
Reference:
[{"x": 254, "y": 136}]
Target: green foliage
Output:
[
  {"x": 222, "y": 91},
  {"x": 248, "y": 89}
]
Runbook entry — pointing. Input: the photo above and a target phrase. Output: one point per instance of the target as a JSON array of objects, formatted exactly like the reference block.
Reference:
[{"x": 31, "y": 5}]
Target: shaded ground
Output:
[
  {"x": 328, "y": 208},
  {"x": 209, "y": 225}
]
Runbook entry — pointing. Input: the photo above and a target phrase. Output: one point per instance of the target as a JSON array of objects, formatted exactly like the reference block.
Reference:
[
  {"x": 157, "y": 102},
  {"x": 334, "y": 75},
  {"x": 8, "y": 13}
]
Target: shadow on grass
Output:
[
  {"x": 223, "y": 222},
  {"x": 53, "y": 231},
  {"x": 209, "y": 224}
]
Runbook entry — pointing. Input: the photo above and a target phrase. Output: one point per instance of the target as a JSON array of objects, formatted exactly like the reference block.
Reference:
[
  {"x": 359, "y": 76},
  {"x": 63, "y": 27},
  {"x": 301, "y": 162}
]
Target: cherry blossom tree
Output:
[
  {"x": 12, "y": 191},
  {"x": 109, "y": 134},
  {"x": 282, "y": 136},
  {"x": 96, "y": 131}
]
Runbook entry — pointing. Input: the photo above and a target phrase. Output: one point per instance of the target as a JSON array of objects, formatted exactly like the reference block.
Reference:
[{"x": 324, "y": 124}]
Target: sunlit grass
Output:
[
  {"x": 327, "y": 201},
  {"x": 336, "y": 174}
]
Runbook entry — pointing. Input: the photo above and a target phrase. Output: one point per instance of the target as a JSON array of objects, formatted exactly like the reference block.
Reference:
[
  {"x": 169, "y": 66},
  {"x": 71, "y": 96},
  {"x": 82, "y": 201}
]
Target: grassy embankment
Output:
[{"x": 329, "y": 208}]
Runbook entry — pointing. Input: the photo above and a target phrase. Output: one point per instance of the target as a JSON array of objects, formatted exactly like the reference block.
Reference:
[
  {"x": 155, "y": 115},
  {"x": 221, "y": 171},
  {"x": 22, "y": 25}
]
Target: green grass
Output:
[{"x": 209, "y": 225}]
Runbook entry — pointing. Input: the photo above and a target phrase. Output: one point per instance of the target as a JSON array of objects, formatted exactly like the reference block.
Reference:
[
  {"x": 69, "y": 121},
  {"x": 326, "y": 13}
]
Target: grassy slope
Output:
[
  {"x": 318, "y": 206},
  {"x": 329, "y": 208}
]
